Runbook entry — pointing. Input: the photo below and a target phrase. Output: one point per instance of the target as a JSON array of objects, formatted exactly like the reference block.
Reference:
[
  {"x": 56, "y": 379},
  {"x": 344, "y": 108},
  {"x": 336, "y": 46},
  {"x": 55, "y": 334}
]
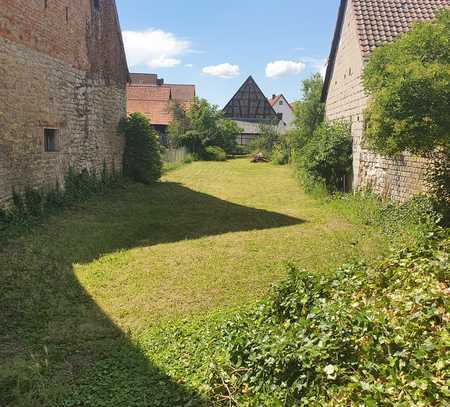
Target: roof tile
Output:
[{"x": 380, "y": 21}]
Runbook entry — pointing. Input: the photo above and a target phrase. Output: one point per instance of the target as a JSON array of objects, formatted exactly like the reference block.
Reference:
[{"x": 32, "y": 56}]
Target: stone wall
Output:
[
  {"x": 65, "y": 74},
  {"x": 395, "y": 179}
]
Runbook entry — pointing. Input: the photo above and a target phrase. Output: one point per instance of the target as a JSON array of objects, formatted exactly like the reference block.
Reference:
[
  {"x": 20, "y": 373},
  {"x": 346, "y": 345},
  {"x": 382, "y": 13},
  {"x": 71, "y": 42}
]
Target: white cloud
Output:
[
  {"x": 278, "y": 69},
  {"x": 317, "y": 64},
  {"x": 189, "y": 65},
  {"x": 154, "y": 48},
  {"x": 225, "y": 71}
]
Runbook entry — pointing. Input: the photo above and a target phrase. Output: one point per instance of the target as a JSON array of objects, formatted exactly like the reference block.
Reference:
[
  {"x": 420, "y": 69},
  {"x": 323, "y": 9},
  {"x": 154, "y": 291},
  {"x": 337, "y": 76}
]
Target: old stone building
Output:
[
  {"x": 63, "y": 76},
  {"x": 363, "y": 25}
]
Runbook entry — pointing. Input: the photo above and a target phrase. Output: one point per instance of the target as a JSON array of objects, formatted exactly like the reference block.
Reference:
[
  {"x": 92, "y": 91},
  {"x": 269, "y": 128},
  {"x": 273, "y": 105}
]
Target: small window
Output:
[
  {"x": 50, "y": 140},
  {"x": 97, "y": 4},
  {"x": 67, "y": 14},
  {"x": 280, "y": 103},
  {"x": 45, "y": 4}
]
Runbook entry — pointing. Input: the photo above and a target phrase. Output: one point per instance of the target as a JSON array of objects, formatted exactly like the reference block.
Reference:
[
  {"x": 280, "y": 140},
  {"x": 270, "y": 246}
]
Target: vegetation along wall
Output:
[{"x": 396, "y": 179}]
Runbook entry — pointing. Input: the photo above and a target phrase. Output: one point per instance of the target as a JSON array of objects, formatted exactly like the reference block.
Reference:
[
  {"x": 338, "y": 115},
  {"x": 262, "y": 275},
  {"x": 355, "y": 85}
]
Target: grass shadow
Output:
[{"x": 57, "y": 347}]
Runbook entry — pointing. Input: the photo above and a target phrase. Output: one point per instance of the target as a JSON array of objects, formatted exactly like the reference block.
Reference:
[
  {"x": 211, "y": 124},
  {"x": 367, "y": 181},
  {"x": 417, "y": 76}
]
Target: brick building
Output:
[
  {"x": 63, "y": 76},
  {"x": 149, "y": 95},
  {"x": 362, "y": 26}
]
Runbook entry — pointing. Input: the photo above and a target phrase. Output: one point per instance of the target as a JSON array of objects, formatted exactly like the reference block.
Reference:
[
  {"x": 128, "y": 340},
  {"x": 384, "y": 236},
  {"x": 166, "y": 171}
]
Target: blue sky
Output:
[{"x": 217, "y": 44}]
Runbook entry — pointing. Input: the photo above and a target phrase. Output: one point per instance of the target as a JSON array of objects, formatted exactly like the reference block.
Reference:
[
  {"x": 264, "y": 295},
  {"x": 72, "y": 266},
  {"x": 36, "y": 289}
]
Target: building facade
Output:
[
  {"x": 285, "y": 111},
  {"x": 249, "y": 108},
  {"x": 362, "y": 26},
  {"x": 63, "y": 76}
]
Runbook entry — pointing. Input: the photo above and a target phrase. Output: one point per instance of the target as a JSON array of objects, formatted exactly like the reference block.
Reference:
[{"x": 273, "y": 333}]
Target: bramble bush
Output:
[{"x": 142, "y": 156}]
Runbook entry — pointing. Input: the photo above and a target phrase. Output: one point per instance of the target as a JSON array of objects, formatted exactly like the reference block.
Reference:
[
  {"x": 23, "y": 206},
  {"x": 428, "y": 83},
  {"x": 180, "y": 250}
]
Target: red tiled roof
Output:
[
  {"x": 181, "y": 93},
  {"x": 148, "y": 92},
  {"x": 380, "y": 21},
  {"x": 154, "y": 100},
  {"x": 157, "y": 111},
  {"x": 273, "y": 100}
]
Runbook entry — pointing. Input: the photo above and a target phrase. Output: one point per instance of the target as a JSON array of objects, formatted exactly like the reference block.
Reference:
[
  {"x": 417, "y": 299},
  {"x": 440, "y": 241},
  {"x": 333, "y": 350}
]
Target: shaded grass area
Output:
[{"x": 76, "y": 290}]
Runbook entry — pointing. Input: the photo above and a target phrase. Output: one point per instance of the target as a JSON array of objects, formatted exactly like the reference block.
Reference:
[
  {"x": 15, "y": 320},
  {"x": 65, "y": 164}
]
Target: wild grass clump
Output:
[
  {"x": 404, "y": 223},
  {"x": 32, "y": 204},
  {"x": 365, "y": 334}
]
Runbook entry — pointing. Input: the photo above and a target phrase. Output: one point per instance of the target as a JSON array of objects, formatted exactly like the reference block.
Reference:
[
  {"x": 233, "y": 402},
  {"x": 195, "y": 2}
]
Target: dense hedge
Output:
[
  {"x": 142, "y": 155},
  {"x": 326, "y": 159}
]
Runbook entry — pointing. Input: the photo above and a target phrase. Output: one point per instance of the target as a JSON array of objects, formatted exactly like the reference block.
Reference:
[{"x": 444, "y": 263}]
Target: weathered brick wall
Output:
[
  {"x": 395, "y": 179},
  {"x": 66, "y": 75}
]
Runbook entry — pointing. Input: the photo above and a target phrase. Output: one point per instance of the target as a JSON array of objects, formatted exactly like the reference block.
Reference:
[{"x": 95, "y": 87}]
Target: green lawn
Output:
[{"x": 76, "y": 290}]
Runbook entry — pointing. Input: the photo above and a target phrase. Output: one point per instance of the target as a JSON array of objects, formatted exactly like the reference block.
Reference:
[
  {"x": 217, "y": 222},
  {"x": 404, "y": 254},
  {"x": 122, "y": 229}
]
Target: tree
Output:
[
  {"x": 201, "y": 126},
  {"x": 178, "y": 126},
  {"x": 408, "y": 81},
  {"x": 142, "y": 157},
  {"x": 309, "y": 112}
]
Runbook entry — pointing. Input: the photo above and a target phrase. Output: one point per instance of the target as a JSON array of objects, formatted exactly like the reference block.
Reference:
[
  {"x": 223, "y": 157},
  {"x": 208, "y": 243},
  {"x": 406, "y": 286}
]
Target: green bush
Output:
[
  {"x": 142, "y": 156},
  {"x": 280, "y": 154},
  {"x": 438, "y": 179},
  {"x": 214, "y": 154},
  {"x": 408, "y": 81},
  {"x": 265, "y": 141},
  {"x": 202, "y": 125},
  {"x": 327, "y": 158}
]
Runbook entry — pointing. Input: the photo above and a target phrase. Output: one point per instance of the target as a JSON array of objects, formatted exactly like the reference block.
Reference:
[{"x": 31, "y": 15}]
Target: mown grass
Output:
[{"x": 76, "y": 290}]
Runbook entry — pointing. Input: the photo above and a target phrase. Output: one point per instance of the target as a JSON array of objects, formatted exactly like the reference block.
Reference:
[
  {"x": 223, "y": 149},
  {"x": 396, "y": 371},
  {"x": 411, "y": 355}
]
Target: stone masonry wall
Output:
[
  {"x": 396, "y": 179},
  {"x": 62, "y": 66},
  {"x": 85, "y": 111}
]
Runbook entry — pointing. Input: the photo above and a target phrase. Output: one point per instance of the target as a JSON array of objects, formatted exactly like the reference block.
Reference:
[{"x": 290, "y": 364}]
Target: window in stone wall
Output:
[
  {"x": 45, "y": 3},
  {"x": 67, "y": 14},
  {"x": 96, "y": 4},
  {"x": 50, "y": 136}
]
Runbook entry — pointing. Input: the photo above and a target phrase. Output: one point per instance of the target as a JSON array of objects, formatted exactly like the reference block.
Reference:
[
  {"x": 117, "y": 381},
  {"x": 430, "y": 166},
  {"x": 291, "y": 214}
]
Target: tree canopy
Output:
[
  {"x": 409, "y": 84},
  {"x": 200, "y": 126}
]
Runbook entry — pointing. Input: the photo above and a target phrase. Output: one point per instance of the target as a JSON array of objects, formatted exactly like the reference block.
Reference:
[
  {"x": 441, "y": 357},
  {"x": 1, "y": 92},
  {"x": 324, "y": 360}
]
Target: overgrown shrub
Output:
[
  {"x": 142, "y": 156},
  {"x": 365, "y": 334},
  {"x": 438, "y": 179},
  {"x": 213, "y": 153},
  {"x": 265, "y": 141},
  {"x": 34, "y": 203},
  {"x": 280, "y": 154},
  {"x": 201, "y": 126},
  {"x": 408, "y": 81},
  {"x": 327, "y": 158}
]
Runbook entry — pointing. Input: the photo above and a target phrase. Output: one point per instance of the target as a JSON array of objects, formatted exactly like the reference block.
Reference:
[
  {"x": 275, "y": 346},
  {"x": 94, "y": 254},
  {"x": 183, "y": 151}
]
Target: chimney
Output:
[{"x": 274, "y": 96}]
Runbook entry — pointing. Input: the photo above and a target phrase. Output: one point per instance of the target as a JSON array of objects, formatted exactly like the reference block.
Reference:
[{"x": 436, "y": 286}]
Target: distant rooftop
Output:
[{"x": 149, "y": 95}]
